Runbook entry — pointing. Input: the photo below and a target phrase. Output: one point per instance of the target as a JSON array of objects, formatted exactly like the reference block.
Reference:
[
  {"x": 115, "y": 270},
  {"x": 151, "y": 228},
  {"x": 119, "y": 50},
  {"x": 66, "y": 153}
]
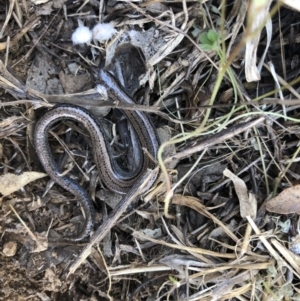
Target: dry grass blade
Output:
[
  {"x": 41, "y": 243},
  {"x": 281, "y": 262},
  {"x": 184, "y": 248},
  {"x": 112, "y": 219},
  {"x": 196, "y": 205},
  {"x": 8, "y": 16},
  {"x": 292, "y": 4},
  {"x": 17, "y": 37},
  {"x": 219, "y": 80},
  {"x": 288, "y": 255},
  {"x": 215, "y": 139}
]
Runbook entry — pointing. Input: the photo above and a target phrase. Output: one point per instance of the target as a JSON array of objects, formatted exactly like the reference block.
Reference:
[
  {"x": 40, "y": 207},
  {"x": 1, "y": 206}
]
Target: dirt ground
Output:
[{"x": 219, "y": 82}]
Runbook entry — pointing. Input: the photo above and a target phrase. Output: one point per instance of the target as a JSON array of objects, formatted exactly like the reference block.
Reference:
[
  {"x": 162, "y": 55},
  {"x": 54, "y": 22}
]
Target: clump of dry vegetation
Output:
[{"x": 220, "y": 81}]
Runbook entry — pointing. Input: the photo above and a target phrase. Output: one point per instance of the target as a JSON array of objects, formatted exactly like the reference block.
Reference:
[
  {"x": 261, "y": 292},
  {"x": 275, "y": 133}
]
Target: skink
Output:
[{"x": 113, "y": 176}]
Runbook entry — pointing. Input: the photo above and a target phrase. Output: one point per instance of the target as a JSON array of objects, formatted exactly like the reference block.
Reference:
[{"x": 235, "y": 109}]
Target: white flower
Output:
[
  {"x": 82, "y": 34},
  {"x": 103, "y": 31}
]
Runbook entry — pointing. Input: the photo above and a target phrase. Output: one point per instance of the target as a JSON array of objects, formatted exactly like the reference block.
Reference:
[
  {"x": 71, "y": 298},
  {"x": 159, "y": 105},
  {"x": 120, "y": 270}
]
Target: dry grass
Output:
[{"x": 222, "y": 90}]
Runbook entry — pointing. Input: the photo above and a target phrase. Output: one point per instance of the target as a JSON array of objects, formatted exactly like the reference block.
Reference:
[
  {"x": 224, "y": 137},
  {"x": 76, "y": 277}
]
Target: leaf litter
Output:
[{"x": 220, "y": 85}]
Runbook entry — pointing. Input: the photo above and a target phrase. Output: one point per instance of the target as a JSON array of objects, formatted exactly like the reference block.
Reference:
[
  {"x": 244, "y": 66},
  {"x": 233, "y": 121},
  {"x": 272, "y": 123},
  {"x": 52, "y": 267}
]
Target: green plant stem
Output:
[{"x": 224, "y": 67}]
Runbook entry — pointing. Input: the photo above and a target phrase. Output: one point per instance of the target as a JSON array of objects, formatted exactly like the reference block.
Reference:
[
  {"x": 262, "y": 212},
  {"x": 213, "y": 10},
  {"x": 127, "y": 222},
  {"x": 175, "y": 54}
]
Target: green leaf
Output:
[
  {"x": 204, "y": 39},
  {"x": 213, "y": 36},
  {"x": 205, "y": 47},
  {"x": 215, "y": 9},
  {"x": 210, "y": 41}
]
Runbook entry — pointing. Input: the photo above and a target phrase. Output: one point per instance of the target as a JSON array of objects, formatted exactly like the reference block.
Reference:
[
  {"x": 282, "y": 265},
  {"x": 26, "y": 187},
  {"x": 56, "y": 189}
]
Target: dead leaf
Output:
[
  {"x": 51, "y": 282},
  {"x": 44, "y": 10},
  {"x": 248, "y": 205},
  {"x": 153, "y": 233},
  {"x": 286, "y": 202},
  {"x": 42, "y": 76},
  {"x": 10, "y": 183},
  {"x": 74, "y": 83},
  {"x": 10, "y": 249},
  {"x": 59, "y": 3},
  {"x": 257, "y": 13}
]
